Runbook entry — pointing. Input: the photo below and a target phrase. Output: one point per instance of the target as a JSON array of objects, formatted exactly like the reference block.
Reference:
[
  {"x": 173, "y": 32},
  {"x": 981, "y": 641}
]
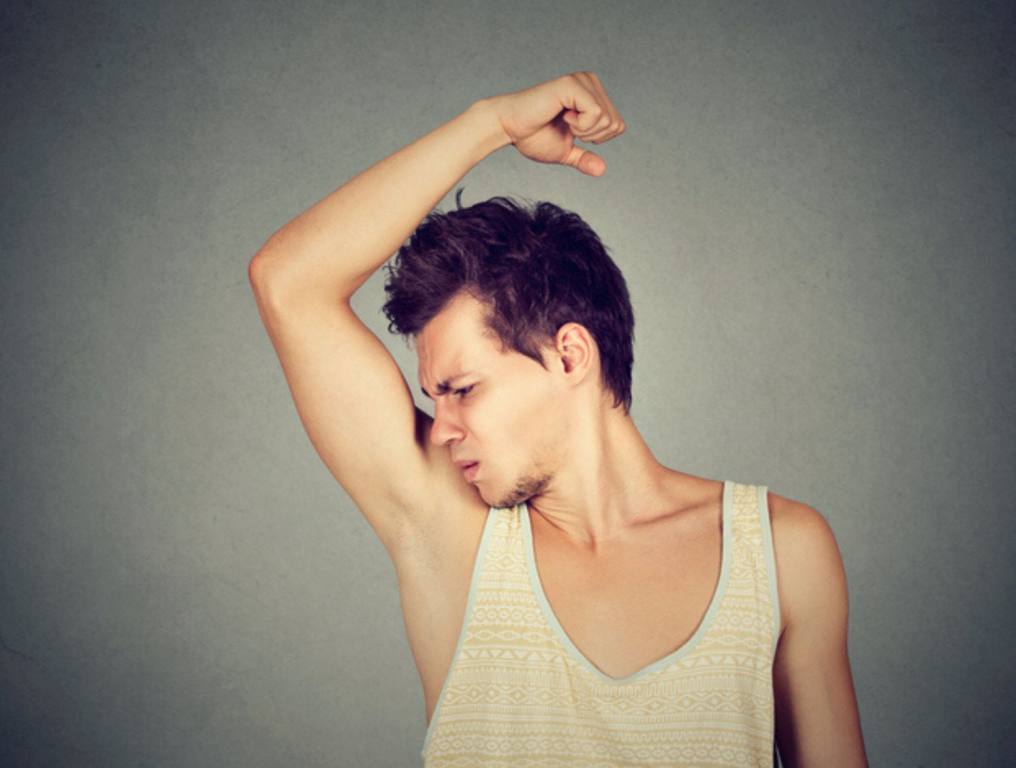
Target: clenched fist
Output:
[{"x": 543, "y": 122}]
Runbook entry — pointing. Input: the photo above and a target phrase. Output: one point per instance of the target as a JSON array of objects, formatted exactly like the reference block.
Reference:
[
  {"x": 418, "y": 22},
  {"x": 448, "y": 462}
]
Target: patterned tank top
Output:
[{"x": 519, "y": 693}]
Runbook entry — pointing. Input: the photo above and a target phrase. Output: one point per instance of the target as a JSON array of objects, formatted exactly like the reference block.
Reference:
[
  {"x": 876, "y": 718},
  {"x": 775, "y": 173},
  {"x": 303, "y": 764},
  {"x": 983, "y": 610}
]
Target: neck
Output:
[{"x": 606, "y": 483}]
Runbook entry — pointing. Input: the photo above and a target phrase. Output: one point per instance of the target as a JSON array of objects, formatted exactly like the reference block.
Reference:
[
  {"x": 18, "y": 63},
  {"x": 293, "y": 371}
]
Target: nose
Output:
[{"x": 446, "y": 427}]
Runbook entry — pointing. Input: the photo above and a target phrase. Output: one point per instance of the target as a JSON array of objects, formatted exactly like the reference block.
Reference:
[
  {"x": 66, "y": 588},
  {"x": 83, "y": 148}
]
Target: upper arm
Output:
[
  {"x": 354, "y": 404},
  {"x": 817, "y": 720}
]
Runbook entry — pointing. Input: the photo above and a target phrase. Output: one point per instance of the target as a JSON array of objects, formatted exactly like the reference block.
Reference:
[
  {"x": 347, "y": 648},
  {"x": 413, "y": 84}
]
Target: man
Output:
[{"x": 568, "y": 600}]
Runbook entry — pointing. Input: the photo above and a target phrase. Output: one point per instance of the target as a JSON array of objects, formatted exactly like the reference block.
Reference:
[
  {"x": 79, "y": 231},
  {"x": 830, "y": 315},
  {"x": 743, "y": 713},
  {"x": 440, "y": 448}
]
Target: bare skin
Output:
[{"x": 628, "y": 550}]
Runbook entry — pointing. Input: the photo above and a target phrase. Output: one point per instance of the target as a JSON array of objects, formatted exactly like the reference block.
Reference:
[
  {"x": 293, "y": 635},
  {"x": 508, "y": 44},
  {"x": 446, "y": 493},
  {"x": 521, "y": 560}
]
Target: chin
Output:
[{"x": 489, "y": 498}]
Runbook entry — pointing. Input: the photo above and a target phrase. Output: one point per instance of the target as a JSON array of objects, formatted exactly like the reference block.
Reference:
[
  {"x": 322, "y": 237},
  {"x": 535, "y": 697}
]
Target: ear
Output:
[{"x": 576, "y": 350}]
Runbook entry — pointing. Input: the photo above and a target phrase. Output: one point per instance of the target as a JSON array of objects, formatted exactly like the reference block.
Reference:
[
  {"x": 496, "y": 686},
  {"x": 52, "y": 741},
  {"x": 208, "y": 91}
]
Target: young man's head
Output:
[{"x": 527, "y": 306}]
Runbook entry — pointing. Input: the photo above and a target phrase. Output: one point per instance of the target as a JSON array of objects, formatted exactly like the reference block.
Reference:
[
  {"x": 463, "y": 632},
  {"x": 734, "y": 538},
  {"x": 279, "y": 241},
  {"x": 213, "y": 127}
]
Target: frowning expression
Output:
[{"x": 492, "y": 406}]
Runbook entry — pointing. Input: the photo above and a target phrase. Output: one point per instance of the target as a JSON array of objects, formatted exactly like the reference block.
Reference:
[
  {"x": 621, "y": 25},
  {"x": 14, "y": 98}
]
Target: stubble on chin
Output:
[{"x": 525, "y": 488}]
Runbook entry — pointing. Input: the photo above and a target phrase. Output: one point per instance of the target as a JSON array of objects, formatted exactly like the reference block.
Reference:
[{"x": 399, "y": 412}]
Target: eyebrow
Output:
[{"x": 444, "y": 386}]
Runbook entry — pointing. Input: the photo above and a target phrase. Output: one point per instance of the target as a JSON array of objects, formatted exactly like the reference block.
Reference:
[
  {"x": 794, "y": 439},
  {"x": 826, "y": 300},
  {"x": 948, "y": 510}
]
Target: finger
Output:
[
  {"x": 600, "y": 134},
  {"x": 611, "y": 129},
  {"x": 584, "y": 124},
  {"x": 571, "y": 117},
  {"x": 585, "y": 161},
  {"x": 593, "y": 83},
  {"x": 592, "y": 135},
  {"x": 581, "y": 101},
  {"x": 605, "y": 135}
]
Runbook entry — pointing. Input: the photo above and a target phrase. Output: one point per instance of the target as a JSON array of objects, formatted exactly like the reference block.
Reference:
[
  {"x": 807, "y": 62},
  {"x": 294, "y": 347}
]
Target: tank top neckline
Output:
[{"x": 703, "y": 627}]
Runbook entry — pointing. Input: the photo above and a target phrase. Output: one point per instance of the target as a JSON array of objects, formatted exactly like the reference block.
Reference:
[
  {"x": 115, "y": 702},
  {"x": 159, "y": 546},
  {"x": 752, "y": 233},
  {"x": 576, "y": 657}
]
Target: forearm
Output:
[{"x": 331, "y": 249}]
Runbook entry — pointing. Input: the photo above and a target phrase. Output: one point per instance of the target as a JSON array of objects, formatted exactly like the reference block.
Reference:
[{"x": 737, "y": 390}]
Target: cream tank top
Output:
[{"x": 519, "y": 693}]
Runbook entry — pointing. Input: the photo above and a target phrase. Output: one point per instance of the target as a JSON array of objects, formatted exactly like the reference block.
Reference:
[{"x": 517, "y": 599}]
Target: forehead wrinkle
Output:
[
  {"x": 444, "y": 386},
  {"x": 452, "y": 339}
]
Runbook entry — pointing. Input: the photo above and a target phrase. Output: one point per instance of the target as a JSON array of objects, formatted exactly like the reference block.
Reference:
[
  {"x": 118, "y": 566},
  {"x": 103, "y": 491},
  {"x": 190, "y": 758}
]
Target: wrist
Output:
[{"x": 488, "y": 125}]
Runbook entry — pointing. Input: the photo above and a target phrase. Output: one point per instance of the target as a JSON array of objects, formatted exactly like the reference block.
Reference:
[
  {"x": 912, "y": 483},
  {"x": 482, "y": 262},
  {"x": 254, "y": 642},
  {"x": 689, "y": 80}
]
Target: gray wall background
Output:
[{"x": 813, "y": 206}]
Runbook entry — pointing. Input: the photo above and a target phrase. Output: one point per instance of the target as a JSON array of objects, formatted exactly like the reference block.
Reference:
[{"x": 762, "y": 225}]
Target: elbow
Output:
[
  {"x": 263, "y": 270},
  {"x": 256, "y": 269},
  {"x": 263, "y": 275},
  {"x": 265, "y": 261}
]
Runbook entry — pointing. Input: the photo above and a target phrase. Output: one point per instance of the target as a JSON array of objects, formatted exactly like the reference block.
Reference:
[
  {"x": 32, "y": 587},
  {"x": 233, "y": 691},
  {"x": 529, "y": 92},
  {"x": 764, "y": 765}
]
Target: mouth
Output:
[{"x": 469, "y": 470}]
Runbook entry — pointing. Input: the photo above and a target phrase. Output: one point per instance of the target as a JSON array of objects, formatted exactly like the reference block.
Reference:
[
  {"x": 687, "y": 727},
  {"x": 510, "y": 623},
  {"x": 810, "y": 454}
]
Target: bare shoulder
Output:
[
  {"x": 817, "y": 720},
  {"x": 795, "y": 518},
  {"x": 809, "y": 565}
]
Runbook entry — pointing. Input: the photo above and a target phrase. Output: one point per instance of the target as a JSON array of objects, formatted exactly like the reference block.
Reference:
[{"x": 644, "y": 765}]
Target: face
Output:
[{"x": 498, "y": 408}]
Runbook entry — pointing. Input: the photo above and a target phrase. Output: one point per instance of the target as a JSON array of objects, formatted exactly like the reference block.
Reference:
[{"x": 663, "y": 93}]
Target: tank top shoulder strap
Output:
[
  {"x": 753, "y": 552},
  {"x": 769, "y": 558}
]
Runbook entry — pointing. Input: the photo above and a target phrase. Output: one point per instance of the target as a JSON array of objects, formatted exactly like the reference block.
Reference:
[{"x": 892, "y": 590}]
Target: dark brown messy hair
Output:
[{"x": 535, "y": 267}]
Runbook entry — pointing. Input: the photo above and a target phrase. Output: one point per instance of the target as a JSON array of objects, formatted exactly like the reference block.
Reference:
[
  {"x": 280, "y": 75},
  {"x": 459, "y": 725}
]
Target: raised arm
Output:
[
  {"x": 331, "y": 249},
  {"x": 350, "y": 395}
]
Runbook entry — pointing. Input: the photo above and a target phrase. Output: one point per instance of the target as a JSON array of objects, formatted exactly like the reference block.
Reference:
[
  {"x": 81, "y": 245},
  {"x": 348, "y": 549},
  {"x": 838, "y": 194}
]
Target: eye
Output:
[{"x": 462, "y": 392}]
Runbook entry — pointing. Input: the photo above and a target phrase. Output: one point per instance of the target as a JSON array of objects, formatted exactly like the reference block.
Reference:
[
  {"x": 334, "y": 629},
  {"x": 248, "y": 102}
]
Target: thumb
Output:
[{"x": 588, "y": 162}]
